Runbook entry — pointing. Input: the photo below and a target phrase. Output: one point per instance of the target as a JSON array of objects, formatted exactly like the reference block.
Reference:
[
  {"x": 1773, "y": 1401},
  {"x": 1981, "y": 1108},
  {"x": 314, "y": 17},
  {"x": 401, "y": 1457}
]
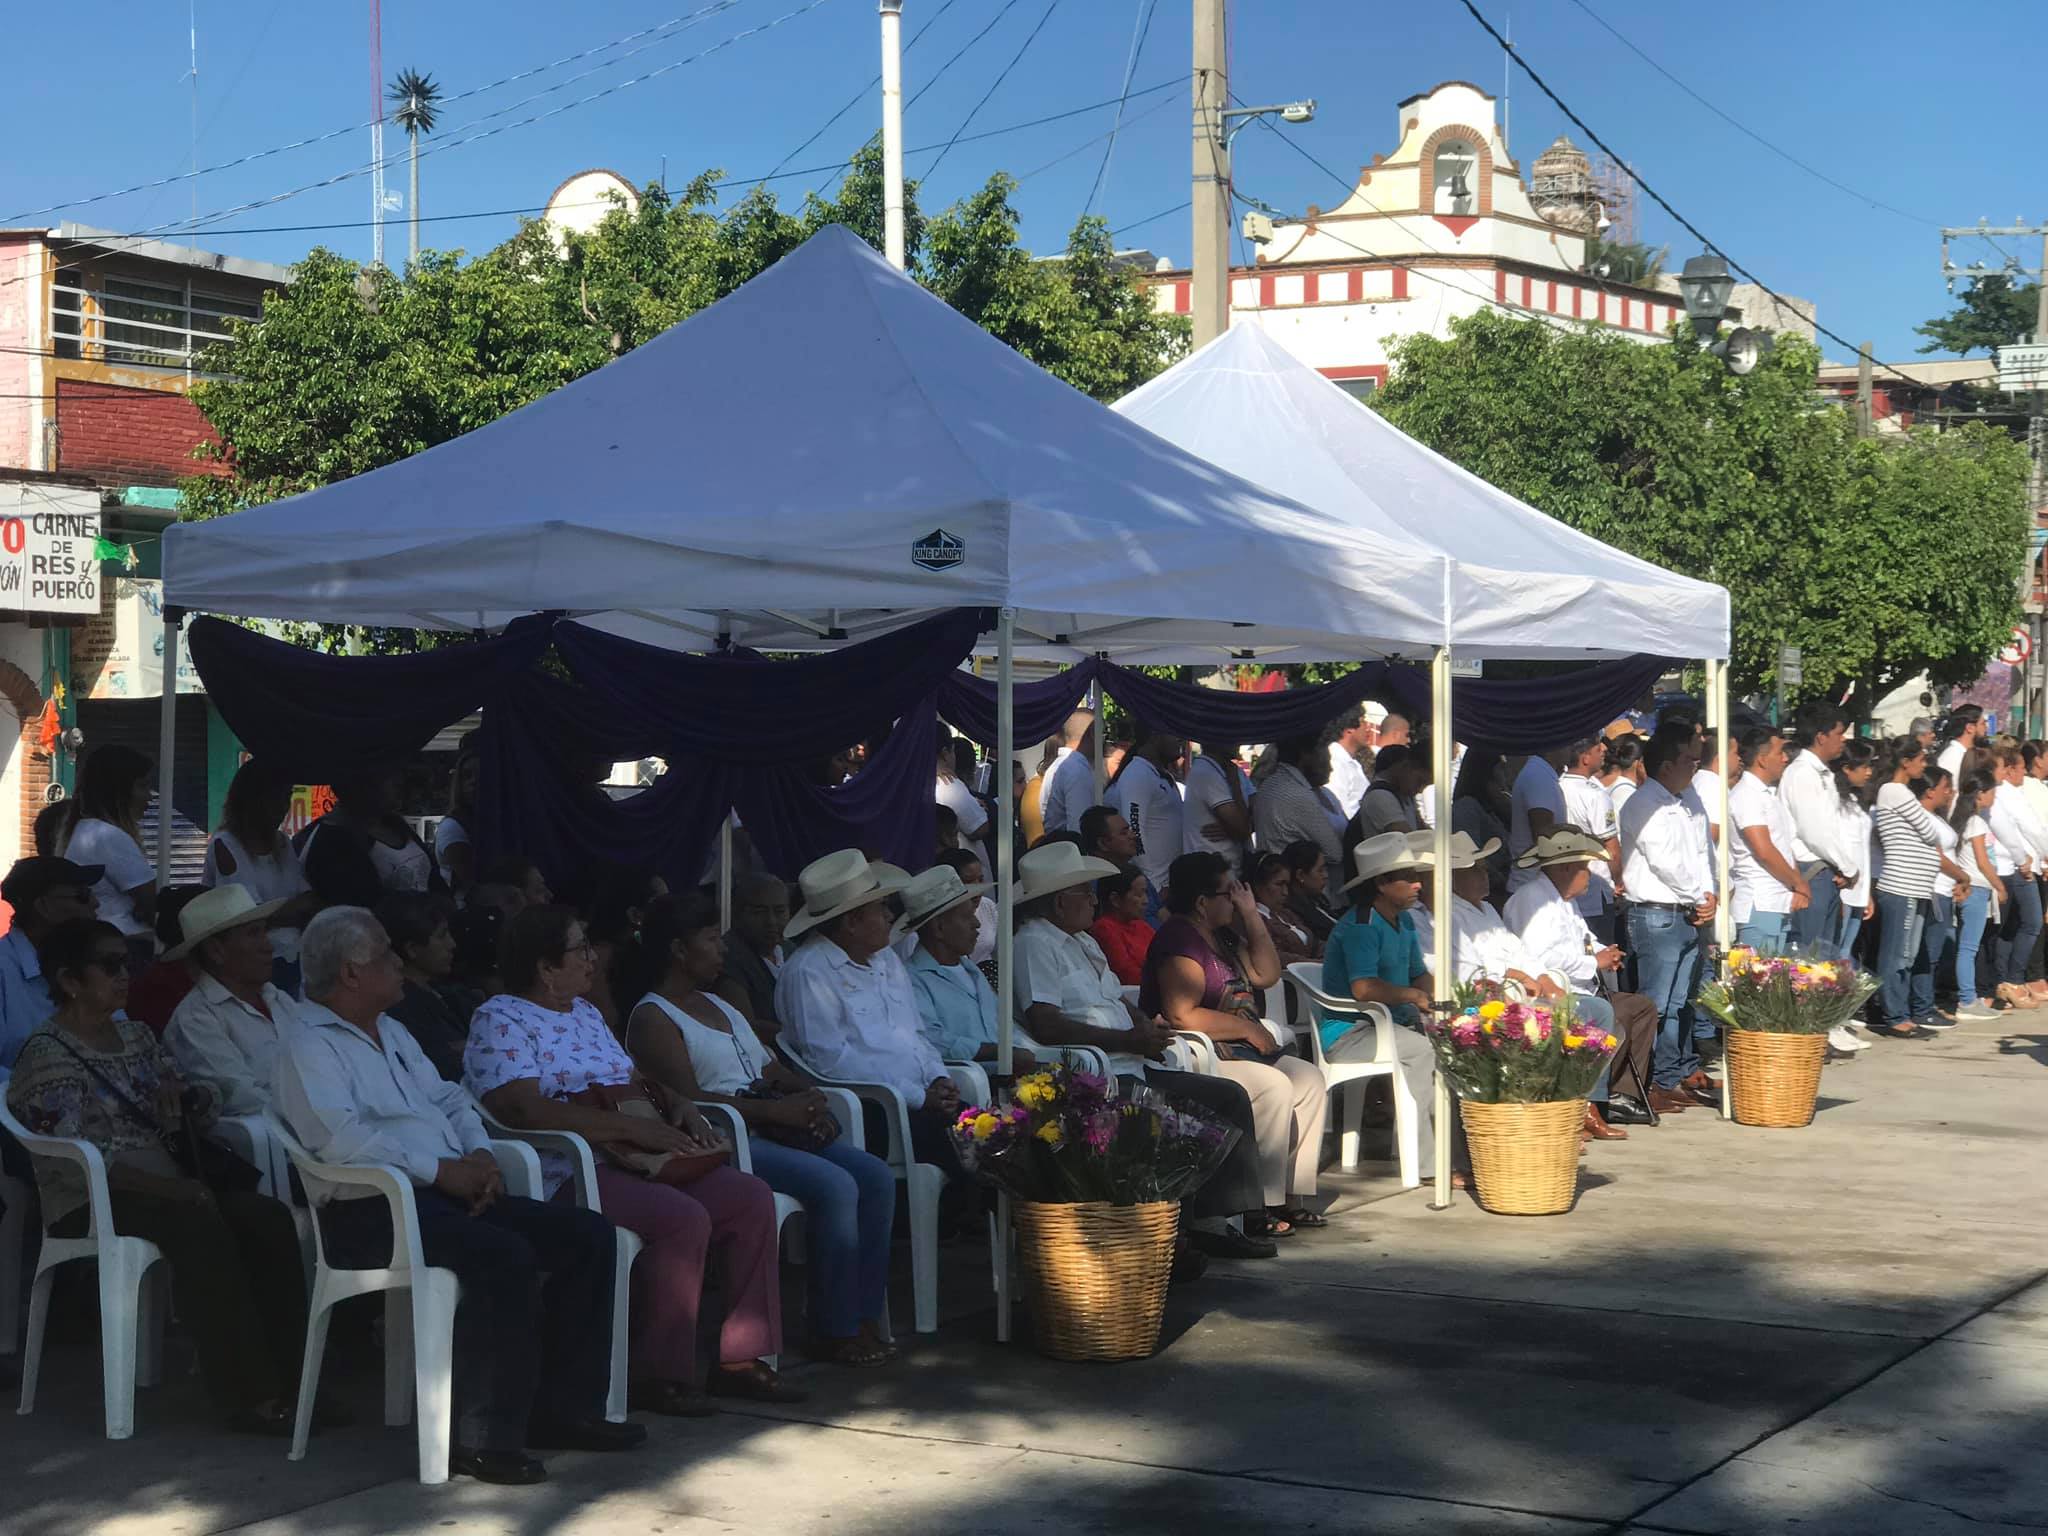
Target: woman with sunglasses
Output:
[{"x": 97, "y": 1077}]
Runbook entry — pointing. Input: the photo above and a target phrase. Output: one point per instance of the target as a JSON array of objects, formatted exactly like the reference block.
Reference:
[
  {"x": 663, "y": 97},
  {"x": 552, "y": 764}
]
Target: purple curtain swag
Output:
[{"x": 747, "y": 734}]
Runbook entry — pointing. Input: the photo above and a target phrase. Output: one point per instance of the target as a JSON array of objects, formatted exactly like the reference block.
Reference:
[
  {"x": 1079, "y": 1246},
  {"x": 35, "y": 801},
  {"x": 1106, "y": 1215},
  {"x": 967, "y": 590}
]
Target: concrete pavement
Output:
[{"x": 1840, "y": 1329}]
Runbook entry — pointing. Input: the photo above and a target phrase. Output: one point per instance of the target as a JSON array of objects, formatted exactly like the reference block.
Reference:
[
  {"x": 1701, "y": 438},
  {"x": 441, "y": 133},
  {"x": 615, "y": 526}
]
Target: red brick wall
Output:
[{"x": 129, "y": 436}]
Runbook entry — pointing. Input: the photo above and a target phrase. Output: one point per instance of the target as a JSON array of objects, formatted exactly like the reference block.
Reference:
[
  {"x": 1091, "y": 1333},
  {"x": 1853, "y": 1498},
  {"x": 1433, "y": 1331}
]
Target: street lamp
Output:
[
  {"x": 1707, "y": 285},
  {"x": 1288, "y": 112}
]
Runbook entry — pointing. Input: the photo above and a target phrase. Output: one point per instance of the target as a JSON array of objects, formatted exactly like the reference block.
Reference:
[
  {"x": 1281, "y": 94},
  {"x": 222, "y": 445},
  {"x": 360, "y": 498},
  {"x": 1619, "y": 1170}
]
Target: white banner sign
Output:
[
  {"x": 134, "y": 668},
  {"x": 47, "y": 536},
  {"x": 2023, "y": 366}
]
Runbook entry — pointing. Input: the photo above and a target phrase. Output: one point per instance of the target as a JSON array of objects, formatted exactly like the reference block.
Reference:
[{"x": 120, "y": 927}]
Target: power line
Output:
[
  {"x": 1653, "y": 194},
  {"x": 676, "y": 23},
  {"x": 1015, "y": 58},
  {"x": 1744, "y": 129},
  {"x": 1153, "y": 218},
  {"x": 1152, "y": 111},
  {"x": 1142, "y": 29},
  {"x": 863, "y": 94}
]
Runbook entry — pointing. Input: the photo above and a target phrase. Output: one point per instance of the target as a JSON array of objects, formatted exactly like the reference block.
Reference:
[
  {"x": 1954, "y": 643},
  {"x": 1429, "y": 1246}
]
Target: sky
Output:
[{"x": 1874, "y": 95}]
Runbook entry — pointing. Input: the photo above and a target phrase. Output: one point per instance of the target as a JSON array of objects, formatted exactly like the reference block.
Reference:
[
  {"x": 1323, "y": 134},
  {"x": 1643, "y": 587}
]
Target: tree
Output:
[
  {"x": 418, "y": 100},
  {"x": 1992, "y": 313},
  {"x": 1880, "y": 558}
]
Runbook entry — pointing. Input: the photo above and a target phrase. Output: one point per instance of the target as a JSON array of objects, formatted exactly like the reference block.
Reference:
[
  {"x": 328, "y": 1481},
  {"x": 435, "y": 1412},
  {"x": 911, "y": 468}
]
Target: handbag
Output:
[
  {"x": 800, "y": 1137},
  {"x": 636, "y": 1098},
  {"x": 221, "y": 1169}
]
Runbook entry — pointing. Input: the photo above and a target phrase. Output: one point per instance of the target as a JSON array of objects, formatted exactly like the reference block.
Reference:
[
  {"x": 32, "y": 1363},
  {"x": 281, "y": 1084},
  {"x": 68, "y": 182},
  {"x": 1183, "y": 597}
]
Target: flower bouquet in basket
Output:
[
  {"x": 1521, "y": 1070},
  {"x": 1097, "y": 1175},
  {"x": 1779, "y": 1009}
]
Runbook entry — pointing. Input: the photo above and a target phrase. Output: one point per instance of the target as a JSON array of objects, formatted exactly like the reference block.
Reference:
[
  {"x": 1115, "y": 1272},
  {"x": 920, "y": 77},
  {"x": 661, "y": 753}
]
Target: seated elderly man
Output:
[
  {"x": 1066, "y": 994},
  {"x": 953, "y": 997},
  {"x": 532, "y": 1360},
  {"x": 1482, "y": 946},
  {"x": 228, "y": 1029},
  {"x": 1546, "y": 915},
  {"x": 847, "y": 1005}
]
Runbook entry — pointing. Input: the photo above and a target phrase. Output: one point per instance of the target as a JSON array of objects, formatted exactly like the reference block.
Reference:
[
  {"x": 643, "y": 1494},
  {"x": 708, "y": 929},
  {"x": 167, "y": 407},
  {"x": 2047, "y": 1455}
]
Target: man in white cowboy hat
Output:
[
  {"x": 1066, "y": 994},
  {"x": 1545, "y": 913},
  {"x": 1374, "y": 955},
  {"x": 846, "y": 1002},
  {"x": 954, "y": 999},
  {"x": 228, "y": 1029}
]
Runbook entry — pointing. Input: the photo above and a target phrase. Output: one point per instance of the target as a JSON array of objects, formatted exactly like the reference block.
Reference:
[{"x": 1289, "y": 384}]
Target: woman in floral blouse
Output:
[
  {"x": 536, "y": 1052},
  {"x": 91, "y": 1076}
]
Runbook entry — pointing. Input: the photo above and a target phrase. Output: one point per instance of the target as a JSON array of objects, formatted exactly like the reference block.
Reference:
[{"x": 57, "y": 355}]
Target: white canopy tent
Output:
[{"x": 1521, "y": 583}]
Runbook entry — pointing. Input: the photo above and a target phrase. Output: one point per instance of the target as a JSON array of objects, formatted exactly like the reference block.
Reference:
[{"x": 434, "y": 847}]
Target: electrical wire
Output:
[
  {"x": 1015, "y": 59},
  {"x": 675, "y": 23},
  {"x": 1657, "y": 197},
  {"x": 1151, "y": 218},
  {"x": 1141, "y": 29}
]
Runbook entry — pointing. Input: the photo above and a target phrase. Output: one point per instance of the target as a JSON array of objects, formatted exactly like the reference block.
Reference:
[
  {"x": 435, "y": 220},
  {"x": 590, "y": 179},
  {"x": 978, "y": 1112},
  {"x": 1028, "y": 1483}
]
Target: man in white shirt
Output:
[
  {"x": 1590, "y": 808},
  {"x": 1536, "y": 804},
  {"x": 1716, "y": 753},
  {"x": 955, "y": 794},
  {"x": 228, "y": 1028},
  {"x": 532, "y": 1365},
  {"x": 1667, "y": 869},
  {"x": 1219, "y": 805},
  {"x": 1147, "y": 796},
  {"x": 1347, "y": 776},
  {"x": 1967, "y": 727},
  {"x": 1546, "y": 916},
  {"x": 1066, "y": 994},
  {"x": 1765, "y": 888},
  {"x": 847, "y": 1004},
  {"x": 1826, "y": 857},
  {"x": 1070, "y": 784}
]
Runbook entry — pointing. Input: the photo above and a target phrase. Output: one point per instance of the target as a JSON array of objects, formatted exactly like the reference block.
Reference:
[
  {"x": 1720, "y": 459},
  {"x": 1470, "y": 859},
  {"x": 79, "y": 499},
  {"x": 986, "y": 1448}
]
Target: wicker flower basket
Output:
[
  {"x": 1773, "y": 1079},
  {"x": 1098, "y": 1276},
  {"x": 1525, "y": 1157}
]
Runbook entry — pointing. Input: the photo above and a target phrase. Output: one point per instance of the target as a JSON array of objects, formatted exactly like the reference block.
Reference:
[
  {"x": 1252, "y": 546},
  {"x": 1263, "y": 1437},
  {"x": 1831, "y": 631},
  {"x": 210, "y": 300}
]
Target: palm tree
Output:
[{"x": 418, "y": 101}]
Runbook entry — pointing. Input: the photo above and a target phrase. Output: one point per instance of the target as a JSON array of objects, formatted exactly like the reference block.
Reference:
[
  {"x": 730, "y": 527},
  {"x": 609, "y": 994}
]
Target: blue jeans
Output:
[
  {"x": 1766, "y": 932},
  {"x": 1937, "y": 941},
  {"x": 1852, "y": 928},
  {"x": 849, "y": 1201},
  {"x": 1899, "y": 920},
  {"x": 2019, "y": 929},
  {"x": 1814, "y": 926},
  {"x": 1667, "y": 950},
  {"x": 1969, "y": 936}
]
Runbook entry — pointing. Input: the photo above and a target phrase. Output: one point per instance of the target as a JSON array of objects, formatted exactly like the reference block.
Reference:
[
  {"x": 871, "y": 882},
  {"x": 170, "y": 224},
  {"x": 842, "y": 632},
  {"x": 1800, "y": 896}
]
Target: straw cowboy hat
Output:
[
  {"x": 839, "y": 882},
  {"x": 1562, "y": 845},
  {"x": 938, "y": 889},
  {"x": 1056, "y": 867},
  {"x": 1464, "y": 852},
  {"x": 1376, "y": 856},
  {"x": 216, "y": 911}
]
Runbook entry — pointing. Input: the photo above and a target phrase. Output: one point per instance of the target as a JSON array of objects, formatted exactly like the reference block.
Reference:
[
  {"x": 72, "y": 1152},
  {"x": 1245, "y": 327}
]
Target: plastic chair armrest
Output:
[
  {"x": 971, "y": 1078},
  {"x": 582, "y": 1162},
  {"x": 519, "y": 1166},
  {"x": 735, "y": 1127}
]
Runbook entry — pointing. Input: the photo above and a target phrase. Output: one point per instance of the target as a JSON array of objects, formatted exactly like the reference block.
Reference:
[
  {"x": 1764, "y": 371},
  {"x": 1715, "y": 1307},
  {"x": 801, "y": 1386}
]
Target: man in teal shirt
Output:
[{"x": 954, "y": 999}]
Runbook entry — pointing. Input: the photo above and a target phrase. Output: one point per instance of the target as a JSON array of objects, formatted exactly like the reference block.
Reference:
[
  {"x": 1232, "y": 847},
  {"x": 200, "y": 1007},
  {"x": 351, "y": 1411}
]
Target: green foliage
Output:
[
  {"x": 1628, "y": 261},
  {"x": 1879, "y": 558},
  {"x": 1992, "y": 313},
  {"x": 351, "y": 368}
]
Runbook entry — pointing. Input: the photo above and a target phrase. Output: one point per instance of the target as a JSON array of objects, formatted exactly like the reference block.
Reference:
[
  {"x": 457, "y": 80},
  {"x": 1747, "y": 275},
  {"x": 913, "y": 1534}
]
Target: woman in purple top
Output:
[{"x": 1211, "y": 953}]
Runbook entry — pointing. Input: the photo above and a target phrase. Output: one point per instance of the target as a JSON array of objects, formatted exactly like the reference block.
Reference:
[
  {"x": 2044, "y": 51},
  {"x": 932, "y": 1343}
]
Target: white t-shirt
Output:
[
  {"x": 1592, "y": 812},
  {"x": 1208, "y": 787},
  {"x": 1150, "y": 801},
  {"x": 1537, "y": 788},
  {"x": 1945, "y": 834},
  {"x": 1967, "y": 856},
  {"x": 1347, "y": 778},
  {"x": 959, "y": 799},
  {"x": 1856, "y": 834},
  {"x": 1753, "y": 803},
  {"x": 274, "y": 877},
  {"x": 1951, "y": 758},
  {"x": 101, "y": 842},
  {"x": 1707, "y": 785},
  {"x": 448, "y": 833}
]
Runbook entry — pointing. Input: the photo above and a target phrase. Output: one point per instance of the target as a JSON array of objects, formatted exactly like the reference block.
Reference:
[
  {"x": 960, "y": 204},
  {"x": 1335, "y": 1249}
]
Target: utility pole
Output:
[
  {"x": 1863, "y": 421},
  {"x": 1211, "y": 259},
  {"x": 892, "y": 132}
]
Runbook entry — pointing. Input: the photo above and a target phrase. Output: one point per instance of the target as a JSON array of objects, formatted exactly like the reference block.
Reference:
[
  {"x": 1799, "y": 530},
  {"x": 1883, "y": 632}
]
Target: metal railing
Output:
[{"x": 95, "y": 326}]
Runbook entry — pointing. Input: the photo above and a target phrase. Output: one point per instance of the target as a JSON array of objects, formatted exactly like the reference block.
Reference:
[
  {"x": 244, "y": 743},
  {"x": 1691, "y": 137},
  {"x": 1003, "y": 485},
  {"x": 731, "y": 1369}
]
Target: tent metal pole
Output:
[
  {"x": 725, "y": 874},
  {"x": 1717, "y": 687},
  {"x": 1006, "y": 970},
  {"x": 1095, "y": 766},
  {"x": 1440, "y": 729},
  {"x": 167, "y": 744}
]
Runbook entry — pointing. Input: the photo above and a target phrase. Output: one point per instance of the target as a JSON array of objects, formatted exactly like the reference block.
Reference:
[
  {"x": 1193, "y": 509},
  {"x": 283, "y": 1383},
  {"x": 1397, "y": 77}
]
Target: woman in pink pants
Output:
[{"x": 533, "y": 1052}]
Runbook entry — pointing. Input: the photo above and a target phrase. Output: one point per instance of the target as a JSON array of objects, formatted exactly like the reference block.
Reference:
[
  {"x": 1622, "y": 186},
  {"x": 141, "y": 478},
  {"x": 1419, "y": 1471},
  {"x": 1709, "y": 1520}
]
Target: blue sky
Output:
[{"x": 1877, "y": 95}]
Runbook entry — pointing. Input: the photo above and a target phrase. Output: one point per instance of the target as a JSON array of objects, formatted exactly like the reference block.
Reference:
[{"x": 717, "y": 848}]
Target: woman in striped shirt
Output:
[{"x": 1909, "y": 831}]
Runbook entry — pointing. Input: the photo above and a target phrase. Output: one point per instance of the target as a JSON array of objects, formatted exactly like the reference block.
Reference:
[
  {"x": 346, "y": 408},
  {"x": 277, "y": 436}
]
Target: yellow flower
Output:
[
  {"x": 1036, "y": 1089},
  {"x": 1826, "y": 971},
  {"x": 983, "y": 1125},
  {"x": 1492, "y": 1010},
  {"x": 1573, "y": 1042},
  {"x": 1049, "y": 1133},
  {"x": 1532, "y": 1029}
]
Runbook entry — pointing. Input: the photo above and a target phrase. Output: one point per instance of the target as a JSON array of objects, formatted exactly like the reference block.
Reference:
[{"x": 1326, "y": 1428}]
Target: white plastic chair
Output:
[
  {"x": 131, "y": 1297},
  {"x": 1347, "y": 1079},
  {"x": 971, "y": 1077},
  {"x": 15, "y": 1197},
  {"x": 583, "y": 1175},
  {"x": 922, "y": 1182},
  {"x": 426, "y": 1339}
]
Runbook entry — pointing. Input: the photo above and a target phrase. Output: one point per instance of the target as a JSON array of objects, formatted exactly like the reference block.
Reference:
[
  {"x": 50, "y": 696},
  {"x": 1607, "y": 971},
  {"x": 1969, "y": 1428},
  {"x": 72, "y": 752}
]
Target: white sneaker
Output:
[
  {"x": 1975, "y": 1013},
  {"x": 1842, "y": 1040}
]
